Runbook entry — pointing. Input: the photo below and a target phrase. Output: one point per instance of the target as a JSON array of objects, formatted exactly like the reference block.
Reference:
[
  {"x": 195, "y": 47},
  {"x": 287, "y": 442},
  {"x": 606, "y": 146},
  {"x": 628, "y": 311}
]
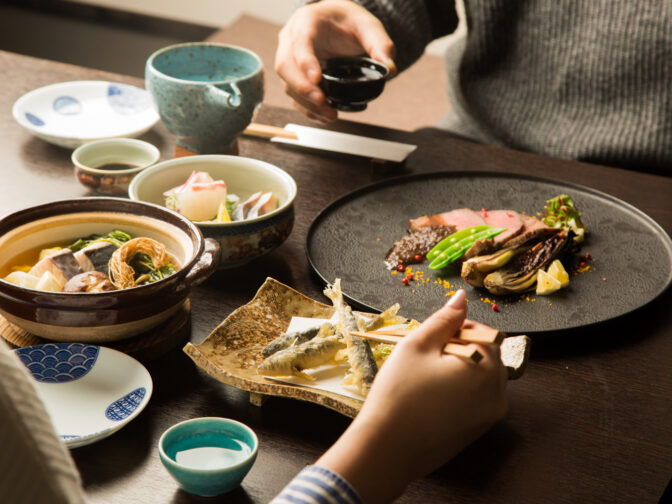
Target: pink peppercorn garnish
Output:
[
  {"x": 400, "y": 267},
  {"x": 404, "y": 280},
  {"x": 495, "y": 307}
]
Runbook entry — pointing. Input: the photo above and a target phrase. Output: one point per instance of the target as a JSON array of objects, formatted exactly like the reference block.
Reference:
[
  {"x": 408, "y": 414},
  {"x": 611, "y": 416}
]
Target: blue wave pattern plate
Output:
[
  {"x": 89, "y": 391},
  {"x": 72, "y": 113}
]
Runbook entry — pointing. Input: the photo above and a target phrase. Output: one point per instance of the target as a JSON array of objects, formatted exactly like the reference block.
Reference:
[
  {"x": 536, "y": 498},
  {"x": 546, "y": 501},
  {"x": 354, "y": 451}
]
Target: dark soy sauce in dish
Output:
[{"x": 116, "y": 166}]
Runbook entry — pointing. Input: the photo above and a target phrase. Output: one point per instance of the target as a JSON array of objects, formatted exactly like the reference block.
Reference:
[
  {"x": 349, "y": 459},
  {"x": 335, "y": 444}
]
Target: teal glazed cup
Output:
[
  {"x": 206, "y": 93},
  {"x": 210, "y": 455}
]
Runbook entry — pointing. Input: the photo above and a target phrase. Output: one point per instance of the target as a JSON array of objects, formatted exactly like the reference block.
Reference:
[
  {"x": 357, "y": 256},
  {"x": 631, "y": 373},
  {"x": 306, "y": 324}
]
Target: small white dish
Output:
[
  {"x": 69, "y": 114},
  {"x": 89, "y": 391}
]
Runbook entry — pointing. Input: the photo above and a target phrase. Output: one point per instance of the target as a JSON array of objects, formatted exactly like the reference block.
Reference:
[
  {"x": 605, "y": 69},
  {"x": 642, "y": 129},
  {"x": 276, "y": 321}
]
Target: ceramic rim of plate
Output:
[
  {"x": 73, "y": 440},
  {"x": 17, "y": 113}
]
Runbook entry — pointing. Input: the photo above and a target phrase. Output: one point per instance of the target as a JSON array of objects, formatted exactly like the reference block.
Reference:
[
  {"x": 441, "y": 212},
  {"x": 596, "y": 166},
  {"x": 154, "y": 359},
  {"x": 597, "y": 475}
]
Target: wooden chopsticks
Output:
[
  {"x": 268, "y": 131},
  {"x": 458, "y": 346}
]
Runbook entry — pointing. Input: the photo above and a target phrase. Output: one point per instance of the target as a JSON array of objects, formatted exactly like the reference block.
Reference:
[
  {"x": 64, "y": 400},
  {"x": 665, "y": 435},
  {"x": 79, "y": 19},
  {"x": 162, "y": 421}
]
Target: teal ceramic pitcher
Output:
[{"x": 206, "y": 93}]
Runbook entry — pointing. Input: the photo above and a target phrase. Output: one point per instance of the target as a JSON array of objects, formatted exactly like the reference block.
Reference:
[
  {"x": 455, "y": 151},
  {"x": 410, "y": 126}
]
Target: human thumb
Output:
[{"x": 445, "y": 322}]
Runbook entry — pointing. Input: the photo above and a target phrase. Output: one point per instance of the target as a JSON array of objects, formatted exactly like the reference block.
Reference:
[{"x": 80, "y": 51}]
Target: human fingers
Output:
[
  {"x": 444, "y": 323},
  {"x": 320, "y": 111},
  {"x": 289, "y": 71},
  {"x": 377, "y": 43}
]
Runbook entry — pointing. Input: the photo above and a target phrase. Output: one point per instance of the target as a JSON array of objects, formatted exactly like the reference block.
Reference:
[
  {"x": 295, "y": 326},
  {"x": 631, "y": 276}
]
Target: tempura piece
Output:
[
  {"x": 293, "y": 360},
  {"x": 387, "y": 318},
  {"x": 296, "y": 338},
  {"x": 363, "y": 367}
]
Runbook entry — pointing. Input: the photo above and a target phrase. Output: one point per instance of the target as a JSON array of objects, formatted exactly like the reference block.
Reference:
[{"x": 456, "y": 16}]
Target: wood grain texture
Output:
[
  {"x": 589, "y": 422},
  {"x": 144, "y": 347}
]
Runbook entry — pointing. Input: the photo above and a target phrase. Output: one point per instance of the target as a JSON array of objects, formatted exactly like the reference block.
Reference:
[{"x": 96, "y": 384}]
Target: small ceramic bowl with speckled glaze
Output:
[
  {"x": 240, "y": 241},
  {"x": 107, "y": 315}
]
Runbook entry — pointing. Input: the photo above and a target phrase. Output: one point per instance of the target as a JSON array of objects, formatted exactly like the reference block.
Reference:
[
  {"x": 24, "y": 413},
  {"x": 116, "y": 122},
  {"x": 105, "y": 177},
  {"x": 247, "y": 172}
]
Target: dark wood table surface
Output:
[{"x": 591, "y": 420}]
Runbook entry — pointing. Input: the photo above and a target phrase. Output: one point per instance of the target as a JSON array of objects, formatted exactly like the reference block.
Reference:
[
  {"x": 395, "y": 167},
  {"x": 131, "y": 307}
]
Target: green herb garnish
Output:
[
  {"x": 116, "y": 237},
  {"x": 560, "y": 212},
  {"x": 146, "y": 272}
]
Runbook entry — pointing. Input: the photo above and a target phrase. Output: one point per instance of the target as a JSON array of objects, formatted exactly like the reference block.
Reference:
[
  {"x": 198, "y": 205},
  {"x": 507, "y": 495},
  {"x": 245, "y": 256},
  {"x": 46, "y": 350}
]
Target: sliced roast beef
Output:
[
  {"x": 461, "y": 218},
  {"x": 534, "y": 230},
  {"x": 507, "y": 219}
]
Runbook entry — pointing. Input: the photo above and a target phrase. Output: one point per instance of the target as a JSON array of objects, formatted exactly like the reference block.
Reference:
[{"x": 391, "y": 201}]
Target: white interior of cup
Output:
[
  {"x": 61, "y": 230},
  {"x": 92, "y": 156},
  {"x": 243, "y": 177}
]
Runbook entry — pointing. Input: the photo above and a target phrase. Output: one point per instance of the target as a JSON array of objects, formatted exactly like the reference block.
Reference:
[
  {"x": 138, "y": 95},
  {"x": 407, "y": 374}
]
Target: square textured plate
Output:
[{"x": 232, "y": 352}]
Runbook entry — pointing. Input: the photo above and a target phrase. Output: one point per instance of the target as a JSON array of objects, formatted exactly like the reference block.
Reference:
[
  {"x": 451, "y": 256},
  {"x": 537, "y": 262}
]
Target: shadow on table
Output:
[
  {"x": 97, "y": 469},
  {"x": 238, "y": 496},
  {"x": 624, "y": 331}
]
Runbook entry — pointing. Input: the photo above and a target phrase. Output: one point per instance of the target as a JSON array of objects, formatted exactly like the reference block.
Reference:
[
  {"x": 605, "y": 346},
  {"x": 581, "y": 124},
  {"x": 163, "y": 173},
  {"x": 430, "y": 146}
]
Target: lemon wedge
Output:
[
  {"x": 557, "y": 271},
  {"x": 546, "y": 284},
  {"x": 222, "y": 213}
]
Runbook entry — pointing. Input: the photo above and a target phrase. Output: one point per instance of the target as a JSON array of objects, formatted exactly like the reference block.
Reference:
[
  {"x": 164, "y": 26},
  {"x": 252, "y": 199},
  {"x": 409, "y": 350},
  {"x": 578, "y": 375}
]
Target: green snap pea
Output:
[
  {"x": 458, "y": 249},
  {"x": 453, "y": 239}
]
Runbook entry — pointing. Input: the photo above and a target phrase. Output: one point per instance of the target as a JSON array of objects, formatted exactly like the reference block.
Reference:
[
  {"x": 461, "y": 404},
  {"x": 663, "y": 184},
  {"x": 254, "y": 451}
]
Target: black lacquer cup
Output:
[{"x": 351, "y": 83}]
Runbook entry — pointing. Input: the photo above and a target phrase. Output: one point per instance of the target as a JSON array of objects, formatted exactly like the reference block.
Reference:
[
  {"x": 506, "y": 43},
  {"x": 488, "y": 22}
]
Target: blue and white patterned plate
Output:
[
  {"x": 89, "y": 391},
  {"x": 72, "y": 113}
]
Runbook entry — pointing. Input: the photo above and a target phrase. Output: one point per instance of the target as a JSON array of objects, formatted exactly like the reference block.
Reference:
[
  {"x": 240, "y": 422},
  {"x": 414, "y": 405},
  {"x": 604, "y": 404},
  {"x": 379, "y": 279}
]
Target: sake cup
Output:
[{"x": 210, "y": 455}]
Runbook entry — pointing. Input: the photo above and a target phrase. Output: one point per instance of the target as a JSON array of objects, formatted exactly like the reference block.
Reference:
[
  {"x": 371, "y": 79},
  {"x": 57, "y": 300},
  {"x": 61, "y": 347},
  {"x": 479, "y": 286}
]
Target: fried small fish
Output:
[
  {"x": 293, "y": 360},
  {"x": 388, "y": 317},
  {"x": 363, "y": 367},
  {"x": 288, "y": 339}
]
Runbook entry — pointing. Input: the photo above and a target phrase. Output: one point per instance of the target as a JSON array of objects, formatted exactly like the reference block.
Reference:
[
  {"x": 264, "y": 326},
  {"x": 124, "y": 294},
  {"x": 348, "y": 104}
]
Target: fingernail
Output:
[
  {"x": 313, "y": 75},
  {"x": 457, "y": 300},
  {"x": 315, "y": 97}
]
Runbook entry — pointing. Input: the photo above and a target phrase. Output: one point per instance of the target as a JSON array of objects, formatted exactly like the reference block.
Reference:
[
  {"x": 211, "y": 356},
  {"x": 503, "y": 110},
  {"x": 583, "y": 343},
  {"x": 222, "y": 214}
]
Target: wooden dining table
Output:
[{"x": 590, "y": 420}]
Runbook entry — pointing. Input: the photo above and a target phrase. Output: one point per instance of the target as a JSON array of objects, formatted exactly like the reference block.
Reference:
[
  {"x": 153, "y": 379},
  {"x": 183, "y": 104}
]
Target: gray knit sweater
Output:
[{"x": 589, "y": 80}]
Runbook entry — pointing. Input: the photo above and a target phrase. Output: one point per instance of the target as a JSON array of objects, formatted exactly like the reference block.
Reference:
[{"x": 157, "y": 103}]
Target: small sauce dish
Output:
[
  {"x": 350, "y": 83},
  {"x": 208, "y": 456},
  {"x": 108, "y": 166}
]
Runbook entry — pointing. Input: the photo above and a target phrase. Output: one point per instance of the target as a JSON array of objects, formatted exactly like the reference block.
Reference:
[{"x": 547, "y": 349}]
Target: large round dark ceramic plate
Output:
[{"x": 631, "y": 254}]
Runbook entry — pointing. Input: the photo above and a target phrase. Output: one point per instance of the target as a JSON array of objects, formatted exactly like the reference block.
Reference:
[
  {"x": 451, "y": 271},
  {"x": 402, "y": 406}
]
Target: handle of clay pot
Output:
[
  {"x": 232, "y": 99},
  {"x": 206, "y": 265}
]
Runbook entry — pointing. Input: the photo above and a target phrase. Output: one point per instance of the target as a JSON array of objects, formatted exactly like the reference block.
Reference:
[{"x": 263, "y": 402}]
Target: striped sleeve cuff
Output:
[{"x": 317, "y": 485}]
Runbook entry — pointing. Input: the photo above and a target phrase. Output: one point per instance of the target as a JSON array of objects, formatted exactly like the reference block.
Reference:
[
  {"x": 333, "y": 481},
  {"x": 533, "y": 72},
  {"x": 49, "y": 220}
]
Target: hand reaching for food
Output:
[
  {"x": 326, "y": 29},
  {"x": 424, "y": 407}
]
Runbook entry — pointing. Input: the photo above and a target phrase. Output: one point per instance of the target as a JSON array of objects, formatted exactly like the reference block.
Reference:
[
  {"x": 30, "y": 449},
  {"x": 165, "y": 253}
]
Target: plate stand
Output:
[{"x": 144, "y": 347}]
